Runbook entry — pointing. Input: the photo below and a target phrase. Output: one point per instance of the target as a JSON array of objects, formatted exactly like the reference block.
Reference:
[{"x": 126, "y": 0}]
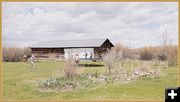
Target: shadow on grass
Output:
[{"x": 90, "y": 65}]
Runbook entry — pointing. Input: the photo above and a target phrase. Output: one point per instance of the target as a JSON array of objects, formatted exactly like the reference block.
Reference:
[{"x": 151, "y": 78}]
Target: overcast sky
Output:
[{"x": 132, "y": 24}]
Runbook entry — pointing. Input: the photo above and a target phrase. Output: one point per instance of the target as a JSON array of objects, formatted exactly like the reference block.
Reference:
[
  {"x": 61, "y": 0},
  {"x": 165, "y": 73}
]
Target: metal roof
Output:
[{"x": 70, "y": 43}]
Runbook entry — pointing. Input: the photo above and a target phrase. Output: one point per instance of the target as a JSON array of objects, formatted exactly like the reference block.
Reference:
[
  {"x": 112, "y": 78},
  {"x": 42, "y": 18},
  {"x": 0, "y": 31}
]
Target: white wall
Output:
[{"x": 79, "y": 51}]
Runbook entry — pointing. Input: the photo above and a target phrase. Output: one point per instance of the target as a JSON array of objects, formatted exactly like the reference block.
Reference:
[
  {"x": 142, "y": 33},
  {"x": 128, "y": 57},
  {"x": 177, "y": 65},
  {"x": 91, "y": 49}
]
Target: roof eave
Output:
[{"x": 66, "y": 47}]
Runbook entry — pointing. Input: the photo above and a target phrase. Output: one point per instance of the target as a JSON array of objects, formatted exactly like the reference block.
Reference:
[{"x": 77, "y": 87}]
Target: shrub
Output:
[
  {"x": 167, "y": 53},
  {"x": 146, "y": 53},
  {"x": 159, "y": 53},
  {"x": 111, "y": 58},
  {"x": 125, "y": 51},
  {"x": 70, "y": 68},
  {"x": 14, "y": 54},
  {"x": 172, "y": 55},
  {"x": 162, "y": 57}
]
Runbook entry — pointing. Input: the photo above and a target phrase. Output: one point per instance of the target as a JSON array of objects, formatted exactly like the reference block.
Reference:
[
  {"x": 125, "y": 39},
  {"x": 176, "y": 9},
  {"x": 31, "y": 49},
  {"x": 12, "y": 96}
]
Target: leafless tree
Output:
[{"x": 166, "y": 38}]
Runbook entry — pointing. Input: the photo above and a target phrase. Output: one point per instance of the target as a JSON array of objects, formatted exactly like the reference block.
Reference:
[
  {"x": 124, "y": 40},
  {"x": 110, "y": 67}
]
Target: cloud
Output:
[{"x": 135, "y": 23}]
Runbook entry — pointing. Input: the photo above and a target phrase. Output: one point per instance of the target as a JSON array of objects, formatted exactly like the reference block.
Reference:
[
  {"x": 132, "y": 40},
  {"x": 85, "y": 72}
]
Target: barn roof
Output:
[{"x": 71, "y": 43}]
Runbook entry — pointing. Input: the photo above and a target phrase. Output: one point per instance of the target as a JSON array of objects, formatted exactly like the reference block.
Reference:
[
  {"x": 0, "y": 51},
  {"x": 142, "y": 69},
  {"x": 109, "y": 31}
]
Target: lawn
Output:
[{"x": 20, "y": 84}]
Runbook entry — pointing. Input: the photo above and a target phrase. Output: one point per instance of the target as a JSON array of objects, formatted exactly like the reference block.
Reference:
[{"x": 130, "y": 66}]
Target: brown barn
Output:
[{"x": 67, "y": 48}]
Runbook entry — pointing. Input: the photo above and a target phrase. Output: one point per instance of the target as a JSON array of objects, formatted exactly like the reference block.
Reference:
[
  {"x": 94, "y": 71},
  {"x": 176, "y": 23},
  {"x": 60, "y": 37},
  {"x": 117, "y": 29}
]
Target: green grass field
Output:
[{"x": 19, "y": 84}]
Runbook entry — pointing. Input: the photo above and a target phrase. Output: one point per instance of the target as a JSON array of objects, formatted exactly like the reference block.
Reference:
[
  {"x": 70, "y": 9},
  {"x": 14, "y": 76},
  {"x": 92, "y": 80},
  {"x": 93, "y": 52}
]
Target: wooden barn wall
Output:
[{"x": 50, "y": 53}]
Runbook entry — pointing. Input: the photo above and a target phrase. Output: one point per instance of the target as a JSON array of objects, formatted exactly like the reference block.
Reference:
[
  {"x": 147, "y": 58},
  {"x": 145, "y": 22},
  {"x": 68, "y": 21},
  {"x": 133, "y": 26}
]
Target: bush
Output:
[
  {"x": 159, "y": 53},
  {"x": 162, "y": 57},
  {"x": 172, "y": 55},
  {"x": 111, "y": 58},
  {"x": 125, "y": 51},
  {"x": 14, "y": 54},
  {"x": 70, "y": 68},
  {"x": 167, "y": 53},
  {"x": 146, "y": 53}
]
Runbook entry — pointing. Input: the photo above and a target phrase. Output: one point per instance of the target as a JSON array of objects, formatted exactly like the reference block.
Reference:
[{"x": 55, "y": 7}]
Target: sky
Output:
[{"x": 133, "y": 24}]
